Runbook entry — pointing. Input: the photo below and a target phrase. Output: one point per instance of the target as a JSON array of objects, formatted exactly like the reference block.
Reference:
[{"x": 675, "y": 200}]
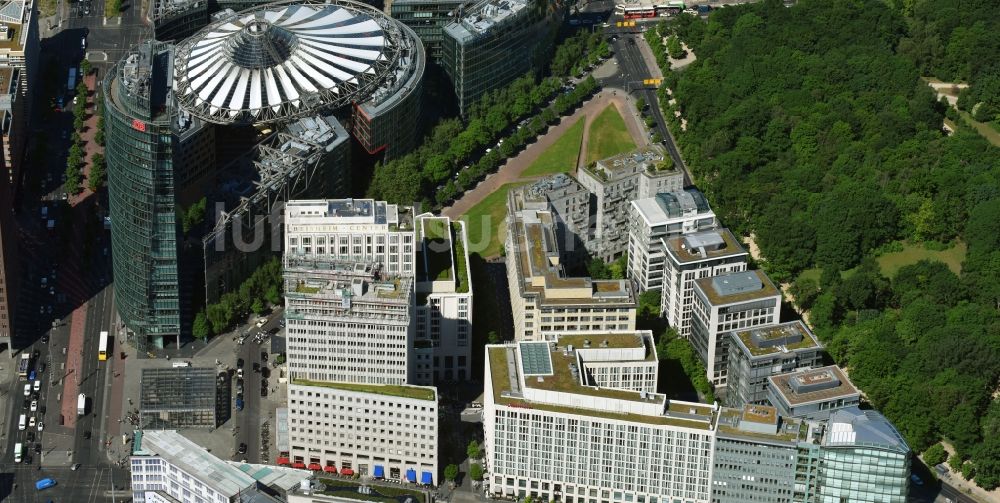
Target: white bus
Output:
[{"x": 102, "y": 348}]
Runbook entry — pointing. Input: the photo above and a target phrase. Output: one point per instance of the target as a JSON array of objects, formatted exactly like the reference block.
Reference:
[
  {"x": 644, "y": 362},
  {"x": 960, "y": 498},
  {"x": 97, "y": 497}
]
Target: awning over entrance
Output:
[
  {"x": 379, "y": 472},
  {"x": 411, "y": 475},
  {"x": 426, "y": 478}
]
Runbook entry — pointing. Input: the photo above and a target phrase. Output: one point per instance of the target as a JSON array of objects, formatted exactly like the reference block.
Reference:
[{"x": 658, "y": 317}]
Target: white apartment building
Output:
[
  {"x": 443, "y": 314},
  {"x": 656, "y": 218},
  {"x": 382, "y": 431},
  {"x": 166, "y": 467},
  {"x": 543, "y": 298},
  {"x": 615, "y": 182},
  {"x": 346, "y": 321},
  {"x": 690, "y": 257},
  {"x": 553, "y": 434},
  {"x": 357, "y": 230},
  {"x": 722, "y": 304}
]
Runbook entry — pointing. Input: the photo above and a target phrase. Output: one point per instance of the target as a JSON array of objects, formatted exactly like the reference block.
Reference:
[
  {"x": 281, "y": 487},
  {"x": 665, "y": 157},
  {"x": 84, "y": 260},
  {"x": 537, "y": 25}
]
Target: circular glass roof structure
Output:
[{"x": 286, "y": 59}]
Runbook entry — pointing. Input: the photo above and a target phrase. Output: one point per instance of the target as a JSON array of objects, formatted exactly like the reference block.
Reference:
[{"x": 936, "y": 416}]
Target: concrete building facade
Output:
[
  {"x": 758, "y": 353},
  {"x": 370, "y": 430},
  {"x": 812, "y": 393},
  {"x": 443, "y": 313},
  {"x": 690, "y": 257},
  {"x": 543, "y": 298},
  {"x": 756, "y": 453},
  {"x": 570, "y": 204},
  {"x": 552, "y": 435},
  {"x": 19, "y": 60},
  {"x": 614, "y": 183},
  {"x": 734, "y": 301},
  {"x": 493, "y": 42},
  {"x": 359, "y": 230},
  {"x": 656, "y": 218}
]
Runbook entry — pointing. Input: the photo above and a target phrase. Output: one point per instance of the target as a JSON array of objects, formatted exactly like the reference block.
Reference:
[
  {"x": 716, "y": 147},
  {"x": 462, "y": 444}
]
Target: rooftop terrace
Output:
[
  {"x": 815, "y": 385},
  {"x": 736, "y": 287},
  {"x": 706, "y": 245},
  {"x": 783, "y": 338},
  {"x": 788, "y": 429},
  {"x": 403, "y": 391},
  {"x": 537, "y": 257},
  {"x": 681, "y": 415}
]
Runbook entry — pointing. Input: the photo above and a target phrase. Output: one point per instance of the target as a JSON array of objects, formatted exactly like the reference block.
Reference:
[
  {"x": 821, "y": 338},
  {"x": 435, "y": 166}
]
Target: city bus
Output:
[{"x": 102, "y": 348}]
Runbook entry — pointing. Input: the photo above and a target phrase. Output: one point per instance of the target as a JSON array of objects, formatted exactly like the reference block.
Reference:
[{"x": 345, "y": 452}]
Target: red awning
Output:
[
  {"x": 284, "y": 461},
  {"x": 315, "y": 467},
  {"x": 347, "y": 471},
  {"x": 330, "y": 468},
  {"x": 298, "y": 465}
]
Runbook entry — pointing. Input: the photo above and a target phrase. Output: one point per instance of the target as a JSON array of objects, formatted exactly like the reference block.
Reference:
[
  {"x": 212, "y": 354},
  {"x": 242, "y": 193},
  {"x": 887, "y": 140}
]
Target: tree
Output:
[
  {"x": 451, "y": 472},
  {"x": 804, "y": 291},
  {"x": 273, "y": 294},
  {"x": 257, "y": 307},
  {"x": 200, "y": 328},
  {"x": 98, "y": 173},
  {"x": 78, "y": 123},
  {"x": 112, "y": 8},
  {"x": 492, "y": 337},
  {"x": 473, "y": 450},
  {"x": 476, "y": 471},
  {"x": 640, "y": 103},
  {"x": 955, "y": 462},
  {"x": 935, "y": 455},
  {"x": 674, "y": 48},
  {"x": 86, "y": 66},
  {"x": 597, "y": 269}
]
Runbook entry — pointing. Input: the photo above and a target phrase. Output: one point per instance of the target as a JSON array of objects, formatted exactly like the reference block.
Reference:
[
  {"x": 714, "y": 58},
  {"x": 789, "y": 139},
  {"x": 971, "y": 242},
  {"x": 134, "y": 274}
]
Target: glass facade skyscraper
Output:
[{"x": 144, "y": 136}]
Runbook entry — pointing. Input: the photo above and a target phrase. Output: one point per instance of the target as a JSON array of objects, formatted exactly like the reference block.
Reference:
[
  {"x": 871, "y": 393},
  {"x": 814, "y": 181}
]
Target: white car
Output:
[
  {"x": 38, "y": 384},
  {"x": 34, "y": 406},
  {"x": 40, "y": 425},
  {"x": 31, "y": 423},
  {"x": 27, "y": 390}
]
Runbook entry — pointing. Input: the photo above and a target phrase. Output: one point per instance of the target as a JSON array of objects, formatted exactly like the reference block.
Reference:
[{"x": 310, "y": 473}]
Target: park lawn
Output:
[
  {"x": 891, "y": 263},
  {"x": 608, "y": 135},
  {"x": 562, "y": 156},
  {"x": 484, "y": 220}
]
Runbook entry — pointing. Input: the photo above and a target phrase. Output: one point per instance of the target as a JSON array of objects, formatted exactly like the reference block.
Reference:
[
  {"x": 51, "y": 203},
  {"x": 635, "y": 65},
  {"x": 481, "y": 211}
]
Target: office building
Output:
[
  {"x": 758, "y": 353},
  {"x": 167, "y": 467},
  {"x": 9, "y": 271},
  {"x": 19, "y": 59},
  {"x": 443, "y": 338},
  {"x": 656, "y": 218},
  {"x": 551, "y": 433},
  {"x": 381, "y": 431},
  {"x": 615, "y": 182},
  {"x": 543, "y": 298},
  {"x": 493, "y": 42},
  {"x": 346, "y": 321},
  {"x": 613, "y": 360},
  {"x": 756, "y": 453},
  {"x": 812, "y": 393},
  {"x": 569, "y": 203},
  {"x": 358, "y": 230},
  {"x": 154, "y": 153},
  {"x": 427, "y": 18},
  {"x": 182, "y": 397},
  {"x": 734, "y": 301},
  {"x": 349, "y": 311},
  {"x": 690, "y": 257},
  {"x": 862, "y": 458}
]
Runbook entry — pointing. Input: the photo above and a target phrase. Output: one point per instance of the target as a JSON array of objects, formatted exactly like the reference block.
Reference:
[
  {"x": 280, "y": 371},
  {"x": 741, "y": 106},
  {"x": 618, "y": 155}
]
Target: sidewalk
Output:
[{"x": 74, "y": 363}]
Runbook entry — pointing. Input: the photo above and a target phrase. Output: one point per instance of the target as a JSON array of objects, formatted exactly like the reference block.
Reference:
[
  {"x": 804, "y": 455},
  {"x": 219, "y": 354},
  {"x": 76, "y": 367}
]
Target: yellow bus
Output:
[{"x": 102, "y": 349}]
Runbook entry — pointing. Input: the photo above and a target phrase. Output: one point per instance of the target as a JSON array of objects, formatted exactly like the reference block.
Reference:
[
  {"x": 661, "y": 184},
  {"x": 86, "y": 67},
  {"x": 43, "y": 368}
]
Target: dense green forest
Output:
[{"x": 809, "y": 127}]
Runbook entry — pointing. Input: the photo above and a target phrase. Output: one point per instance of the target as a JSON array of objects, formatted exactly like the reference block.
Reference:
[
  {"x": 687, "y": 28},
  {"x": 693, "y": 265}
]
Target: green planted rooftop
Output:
[
  {"x": 403, "y": 391},
  {"x": 377, "y": 492}
]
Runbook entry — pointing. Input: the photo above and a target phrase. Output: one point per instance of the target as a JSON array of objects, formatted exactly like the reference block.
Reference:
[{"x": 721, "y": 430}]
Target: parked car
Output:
[
  {"x": 263, "y": 356},
  {"x": 34, "y": 406},
  {"x": 242, "y": 449}
]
